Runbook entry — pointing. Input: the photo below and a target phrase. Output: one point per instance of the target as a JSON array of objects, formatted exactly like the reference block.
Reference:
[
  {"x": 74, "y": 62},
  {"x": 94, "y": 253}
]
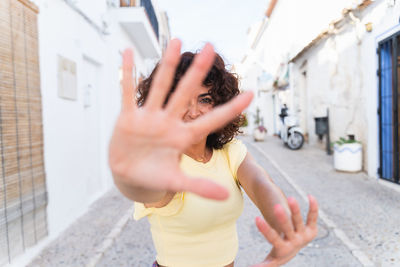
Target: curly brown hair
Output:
[{"x": 223, "y": 86}]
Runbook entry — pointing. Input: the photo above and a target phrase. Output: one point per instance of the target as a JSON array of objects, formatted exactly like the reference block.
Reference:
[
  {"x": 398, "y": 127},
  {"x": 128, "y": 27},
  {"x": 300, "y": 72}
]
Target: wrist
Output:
[
  {"x": 271, "y": 260},
  {"x": 276, "y": 261},
  {"x": 137, "y": 193},
  {"x": 271, "y": 263}
]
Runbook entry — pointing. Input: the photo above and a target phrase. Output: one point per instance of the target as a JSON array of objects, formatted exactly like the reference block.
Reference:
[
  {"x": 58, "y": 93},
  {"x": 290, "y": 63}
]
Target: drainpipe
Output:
[
  {"x": 270, "y": 9},
  {"x": 268, "y": 14}
]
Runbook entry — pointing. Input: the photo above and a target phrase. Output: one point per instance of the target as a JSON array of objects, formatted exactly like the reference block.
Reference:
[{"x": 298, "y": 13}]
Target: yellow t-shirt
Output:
[{"x": 194, "y": 231}]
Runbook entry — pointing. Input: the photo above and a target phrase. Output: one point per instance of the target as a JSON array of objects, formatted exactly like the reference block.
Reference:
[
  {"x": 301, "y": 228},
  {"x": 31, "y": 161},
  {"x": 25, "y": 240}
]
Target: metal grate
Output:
[{"x": 389, "y": 91}]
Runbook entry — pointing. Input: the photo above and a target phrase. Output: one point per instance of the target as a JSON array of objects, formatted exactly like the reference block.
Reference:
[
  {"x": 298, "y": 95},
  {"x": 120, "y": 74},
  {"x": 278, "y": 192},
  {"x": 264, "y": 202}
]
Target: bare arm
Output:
[
  {"x": 283, "y": 226},
  {"x": 136, "y": 193},
  {"x": 150, "y": 198},
  {"x": 262, "y": 190}
]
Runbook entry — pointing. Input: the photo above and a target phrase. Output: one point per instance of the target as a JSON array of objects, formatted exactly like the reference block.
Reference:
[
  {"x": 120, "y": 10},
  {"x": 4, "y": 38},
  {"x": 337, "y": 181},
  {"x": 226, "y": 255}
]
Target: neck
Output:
[{"x": 197, "y": 151}]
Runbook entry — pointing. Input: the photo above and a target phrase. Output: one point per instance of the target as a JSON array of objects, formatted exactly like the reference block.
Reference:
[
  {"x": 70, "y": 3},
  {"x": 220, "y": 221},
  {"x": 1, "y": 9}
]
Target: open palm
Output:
[
  {"x": 148, "y": 141},
  {"x": 295, "y": 234}
]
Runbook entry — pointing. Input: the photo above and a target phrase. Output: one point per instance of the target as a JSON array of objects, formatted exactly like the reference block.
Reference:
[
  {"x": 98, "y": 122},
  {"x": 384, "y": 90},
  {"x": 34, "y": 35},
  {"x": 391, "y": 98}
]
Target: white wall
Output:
[
  {"x": 341, "y": 76},
  {"x": 334, "y": 82},
  {"x": 75, "y": 137},
  {"x": 248, "y": 82},
  {"x": 94, "y": 9},
  {"x": 340, "y": 72},
  {"x": 292, "y": 25},
  {"x": 385, "y": 22}
]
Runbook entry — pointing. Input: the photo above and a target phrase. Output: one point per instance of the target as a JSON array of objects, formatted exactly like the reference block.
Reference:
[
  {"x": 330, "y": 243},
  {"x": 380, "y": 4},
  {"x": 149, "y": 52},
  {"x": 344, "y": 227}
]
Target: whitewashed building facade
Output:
[
  {"x": 341, "y": 56},
  {"x": 80, "y": 47}
]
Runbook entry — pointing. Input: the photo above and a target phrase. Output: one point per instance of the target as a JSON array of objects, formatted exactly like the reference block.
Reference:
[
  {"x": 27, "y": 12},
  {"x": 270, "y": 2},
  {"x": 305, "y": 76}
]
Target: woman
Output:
[{"x": 175, "y": 158}]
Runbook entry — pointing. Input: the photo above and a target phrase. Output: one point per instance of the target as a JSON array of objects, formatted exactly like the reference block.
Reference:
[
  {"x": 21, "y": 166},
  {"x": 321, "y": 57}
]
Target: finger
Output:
[
  {"x": 164, "y": 76},
  {"x": 128, "y": 88},
  {"x": 220, "y": 115},
  {"x": 312, "y": 216},
  {"x": 296, "y": 215},
  {"x": 194, "y": 76},
  {"x": 199, "y": 186},
  {"x": 268, "y": 232},
  {"x": 285, "y": 223}
]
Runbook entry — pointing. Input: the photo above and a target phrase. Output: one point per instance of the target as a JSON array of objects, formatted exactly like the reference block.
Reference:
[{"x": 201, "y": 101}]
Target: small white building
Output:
[
  {"x": 286, "y": 29},
  {"x": 80, "y": 47},
  {"x": 255, "y": 77},
  {"x": 341, "y": 57}
]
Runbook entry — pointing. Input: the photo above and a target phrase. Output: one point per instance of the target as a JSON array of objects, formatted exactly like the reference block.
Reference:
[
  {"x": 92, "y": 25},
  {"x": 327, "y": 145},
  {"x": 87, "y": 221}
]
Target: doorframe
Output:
[{"x": 394, "y": 35}]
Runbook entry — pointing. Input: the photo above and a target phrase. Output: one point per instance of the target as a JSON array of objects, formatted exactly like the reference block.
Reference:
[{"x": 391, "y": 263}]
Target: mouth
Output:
[{"x": 186, "y": 119}]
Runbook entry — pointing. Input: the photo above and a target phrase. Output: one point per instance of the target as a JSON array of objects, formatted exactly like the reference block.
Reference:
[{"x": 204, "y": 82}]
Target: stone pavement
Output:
[
  {"x": 362, "y": 209},
  {"x": 359, "y": 223},
  {"x": 78, "y": 244}
]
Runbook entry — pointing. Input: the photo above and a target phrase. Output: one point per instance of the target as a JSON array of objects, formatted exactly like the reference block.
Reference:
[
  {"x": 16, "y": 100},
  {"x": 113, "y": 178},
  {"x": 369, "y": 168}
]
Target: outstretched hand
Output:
[
  {"x": 296, "y": 235},
  {"x": 148, "y": 141}
]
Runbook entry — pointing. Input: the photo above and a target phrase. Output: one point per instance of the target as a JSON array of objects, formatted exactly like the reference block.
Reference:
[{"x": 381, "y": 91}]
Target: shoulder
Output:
[
  {"x": 235, "y": 146},
  {"x": 236, "y": 151}
]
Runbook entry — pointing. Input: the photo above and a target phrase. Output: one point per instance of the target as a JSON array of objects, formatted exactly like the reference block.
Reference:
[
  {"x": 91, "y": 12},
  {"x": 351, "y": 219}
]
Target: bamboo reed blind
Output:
[{"x": 23, "y": 195}]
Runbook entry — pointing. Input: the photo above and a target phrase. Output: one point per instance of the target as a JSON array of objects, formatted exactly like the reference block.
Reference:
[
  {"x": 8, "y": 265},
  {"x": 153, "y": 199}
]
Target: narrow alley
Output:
[{"x": 357, "y": 225}]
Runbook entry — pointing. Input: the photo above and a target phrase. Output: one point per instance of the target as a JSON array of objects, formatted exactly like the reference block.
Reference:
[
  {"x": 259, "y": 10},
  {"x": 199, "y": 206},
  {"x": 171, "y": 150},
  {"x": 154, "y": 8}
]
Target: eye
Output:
[{"x": 206, "y": 100}]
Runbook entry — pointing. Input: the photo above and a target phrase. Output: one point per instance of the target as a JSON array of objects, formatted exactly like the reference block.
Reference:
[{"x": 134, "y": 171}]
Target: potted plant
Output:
[
  {"x": 259, "y": 133},
  {"x": 260, "y": 130},
  {"x": 347, "y": 154}
]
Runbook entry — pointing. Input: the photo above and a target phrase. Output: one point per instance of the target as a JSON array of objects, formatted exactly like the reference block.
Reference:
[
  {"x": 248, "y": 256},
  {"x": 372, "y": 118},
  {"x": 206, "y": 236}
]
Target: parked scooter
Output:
[{"x": 291, "y": 133}]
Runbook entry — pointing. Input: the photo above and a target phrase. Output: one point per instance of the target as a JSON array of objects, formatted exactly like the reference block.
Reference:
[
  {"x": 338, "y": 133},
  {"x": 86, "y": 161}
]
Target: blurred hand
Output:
[
  {"x": 148, "y": 141},
  {"x": 296, "y": 235}
]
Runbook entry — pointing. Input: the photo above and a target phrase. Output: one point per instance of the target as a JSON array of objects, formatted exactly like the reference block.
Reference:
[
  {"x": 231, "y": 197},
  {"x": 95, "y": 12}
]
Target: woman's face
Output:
[{"x": 199, "y": 104}]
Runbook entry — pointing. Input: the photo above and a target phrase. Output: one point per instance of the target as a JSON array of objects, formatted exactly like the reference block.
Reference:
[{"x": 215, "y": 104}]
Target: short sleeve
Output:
[
  {"x": 172, "y": 208},
  {"x": 236, "y": 152},
  {"x": 141, "y": 211}
]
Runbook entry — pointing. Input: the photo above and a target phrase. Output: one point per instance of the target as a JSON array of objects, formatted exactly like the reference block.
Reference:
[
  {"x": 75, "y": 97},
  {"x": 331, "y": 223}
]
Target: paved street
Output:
[
  {"x": 358, "y": 225},
  {"x": 360, "y": 208}
]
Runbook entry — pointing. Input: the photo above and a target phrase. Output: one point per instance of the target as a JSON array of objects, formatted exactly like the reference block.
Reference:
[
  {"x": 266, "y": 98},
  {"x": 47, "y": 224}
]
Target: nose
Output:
[{"x": 193, "y": 110}]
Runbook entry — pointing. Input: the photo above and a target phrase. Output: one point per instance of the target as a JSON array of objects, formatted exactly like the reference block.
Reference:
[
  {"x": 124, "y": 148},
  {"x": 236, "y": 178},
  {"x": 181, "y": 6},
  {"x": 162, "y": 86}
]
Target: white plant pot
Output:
[
  {"x": 347, "y": 157},
  {"x": 258, "y": 135}
]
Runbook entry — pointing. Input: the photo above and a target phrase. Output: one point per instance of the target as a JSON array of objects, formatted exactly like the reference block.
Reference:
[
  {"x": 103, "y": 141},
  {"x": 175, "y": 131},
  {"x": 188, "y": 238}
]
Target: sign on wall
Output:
[{"x": 67, "y": 83}]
